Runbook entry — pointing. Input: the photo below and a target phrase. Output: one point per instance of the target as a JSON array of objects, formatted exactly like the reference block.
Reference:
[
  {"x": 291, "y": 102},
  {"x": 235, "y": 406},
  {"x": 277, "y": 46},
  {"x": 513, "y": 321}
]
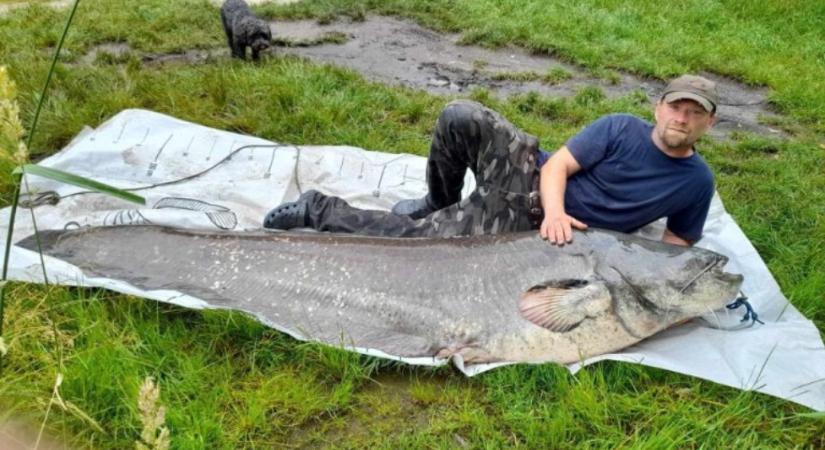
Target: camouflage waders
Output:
[{"x": 467, "y": 134}]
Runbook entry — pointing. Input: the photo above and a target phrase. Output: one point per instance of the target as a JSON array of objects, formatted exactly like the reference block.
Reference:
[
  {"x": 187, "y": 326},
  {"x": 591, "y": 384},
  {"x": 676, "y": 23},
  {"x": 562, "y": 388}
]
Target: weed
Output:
[
  {"x": 516, "y": 76},
  {"x": 480, "y": 64},
  {"x": 330, "y": 37},
  {"x": 556, "y": 75},
  {"x": 589, "y": 96}
]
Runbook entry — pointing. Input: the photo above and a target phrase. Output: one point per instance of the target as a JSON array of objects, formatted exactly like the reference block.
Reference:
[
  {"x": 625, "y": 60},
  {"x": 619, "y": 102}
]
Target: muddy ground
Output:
[{"x": 400, "y": 52}]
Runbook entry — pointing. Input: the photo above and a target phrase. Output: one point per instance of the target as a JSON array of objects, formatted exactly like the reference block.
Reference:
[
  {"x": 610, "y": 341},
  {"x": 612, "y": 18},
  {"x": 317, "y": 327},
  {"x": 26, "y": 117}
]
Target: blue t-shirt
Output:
[{"x": 626, "y": 182}]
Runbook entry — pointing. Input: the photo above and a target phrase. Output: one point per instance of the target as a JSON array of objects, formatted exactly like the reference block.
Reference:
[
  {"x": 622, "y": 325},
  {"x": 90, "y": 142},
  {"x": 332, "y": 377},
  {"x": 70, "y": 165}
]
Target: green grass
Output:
[
  {"x": 554, "y": 76},
  {"x": 229, "y": 382}
]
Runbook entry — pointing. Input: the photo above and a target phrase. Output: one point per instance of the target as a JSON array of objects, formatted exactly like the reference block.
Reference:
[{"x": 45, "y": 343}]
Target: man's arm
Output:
[
  {"x": 671, "y": 238},
  {"x": 557, "y": 225}
]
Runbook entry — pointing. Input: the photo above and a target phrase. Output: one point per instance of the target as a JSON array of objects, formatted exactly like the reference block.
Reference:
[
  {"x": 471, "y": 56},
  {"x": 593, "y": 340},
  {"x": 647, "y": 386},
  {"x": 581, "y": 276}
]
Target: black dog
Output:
[{"x": 243, "y": 29}]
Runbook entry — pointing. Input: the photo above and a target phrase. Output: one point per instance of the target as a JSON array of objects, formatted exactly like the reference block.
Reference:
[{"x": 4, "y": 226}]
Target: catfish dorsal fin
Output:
[{"x": 560, "y": 305}]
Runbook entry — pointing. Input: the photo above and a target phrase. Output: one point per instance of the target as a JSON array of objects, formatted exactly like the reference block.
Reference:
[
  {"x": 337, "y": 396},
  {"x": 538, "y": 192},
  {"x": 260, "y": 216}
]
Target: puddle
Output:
[{"x": 400, "y": 52}]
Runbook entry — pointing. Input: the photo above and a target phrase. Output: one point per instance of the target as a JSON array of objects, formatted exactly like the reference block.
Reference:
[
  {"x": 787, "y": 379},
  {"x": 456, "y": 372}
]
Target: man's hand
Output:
[{"x": 558, "y": 228}]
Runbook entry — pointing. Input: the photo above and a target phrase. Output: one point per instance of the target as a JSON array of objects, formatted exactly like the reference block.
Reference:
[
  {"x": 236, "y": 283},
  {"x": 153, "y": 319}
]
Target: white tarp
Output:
[{"x": 201, "y": 178}]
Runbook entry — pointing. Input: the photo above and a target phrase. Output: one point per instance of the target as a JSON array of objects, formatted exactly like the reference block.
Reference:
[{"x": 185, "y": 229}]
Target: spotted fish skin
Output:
[{"x": 481, "y": 297}]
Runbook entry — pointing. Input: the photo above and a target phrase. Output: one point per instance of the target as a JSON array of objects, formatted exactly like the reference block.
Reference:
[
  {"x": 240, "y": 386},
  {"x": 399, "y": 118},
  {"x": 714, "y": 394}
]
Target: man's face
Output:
[{"x": 681, "y": 123}]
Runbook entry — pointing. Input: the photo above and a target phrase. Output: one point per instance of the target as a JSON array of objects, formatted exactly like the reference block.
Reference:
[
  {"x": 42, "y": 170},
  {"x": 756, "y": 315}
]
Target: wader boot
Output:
[{"x": 416, "y": 208}]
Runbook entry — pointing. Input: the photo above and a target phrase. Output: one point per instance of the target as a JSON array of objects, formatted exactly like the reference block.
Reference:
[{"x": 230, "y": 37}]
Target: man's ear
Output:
[
  {"x": 712, "y": 120},
  {"x": 656, "y": 109}
]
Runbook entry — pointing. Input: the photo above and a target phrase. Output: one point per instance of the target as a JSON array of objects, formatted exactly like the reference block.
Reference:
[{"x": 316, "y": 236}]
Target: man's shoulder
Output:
[
  {"x": 621, "y": 123},
  {"x": 625, "y": 118}
]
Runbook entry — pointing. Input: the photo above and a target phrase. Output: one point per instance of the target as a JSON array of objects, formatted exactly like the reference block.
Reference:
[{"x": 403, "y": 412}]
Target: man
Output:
[{"x": 618, "y": 173}]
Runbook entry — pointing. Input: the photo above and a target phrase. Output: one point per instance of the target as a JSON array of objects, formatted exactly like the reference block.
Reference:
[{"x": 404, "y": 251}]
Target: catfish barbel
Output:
[{"x": 506, "y": 297}]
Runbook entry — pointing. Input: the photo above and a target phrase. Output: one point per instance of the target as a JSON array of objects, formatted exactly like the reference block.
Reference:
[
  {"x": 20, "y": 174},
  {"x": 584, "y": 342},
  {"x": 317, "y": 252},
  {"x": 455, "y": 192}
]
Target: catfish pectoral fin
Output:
[
  {"x": 561, "y": 306},
  {"x": 546, "y": 308}
]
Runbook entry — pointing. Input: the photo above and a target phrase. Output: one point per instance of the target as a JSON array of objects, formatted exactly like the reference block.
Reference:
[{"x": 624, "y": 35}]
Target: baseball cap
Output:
[{"x": 692, "y": 87}]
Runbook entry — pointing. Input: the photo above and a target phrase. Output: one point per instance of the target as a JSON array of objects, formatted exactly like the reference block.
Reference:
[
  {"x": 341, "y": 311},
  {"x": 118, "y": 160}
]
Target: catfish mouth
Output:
[
  {"x": 714, "y": 269},
  {"x": 715, "y": 279}
]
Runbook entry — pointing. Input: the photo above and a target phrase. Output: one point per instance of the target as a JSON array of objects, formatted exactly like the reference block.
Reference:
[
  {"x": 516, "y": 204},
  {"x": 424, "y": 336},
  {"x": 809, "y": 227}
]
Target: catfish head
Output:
[
  {"x": 658, "y": 289},
  {"x": 647, "y": 285}
]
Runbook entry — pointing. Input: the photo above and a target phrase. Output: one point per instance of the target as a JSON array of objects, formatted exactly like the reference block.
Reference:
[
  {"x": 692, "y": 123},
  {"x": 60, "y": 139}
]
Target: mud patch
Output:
[
  {"x": 400, "y": 52},
  {"x": 187, "y": 57},
  {"x": 118, "y": 53},
  {"x": 111, "y": 50}
]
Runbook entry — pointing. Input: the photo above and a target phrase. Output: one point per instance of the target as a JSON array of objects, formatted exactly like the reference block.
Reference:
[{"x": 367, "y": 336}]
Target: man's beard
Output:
[{"x": 674, "y": 139}]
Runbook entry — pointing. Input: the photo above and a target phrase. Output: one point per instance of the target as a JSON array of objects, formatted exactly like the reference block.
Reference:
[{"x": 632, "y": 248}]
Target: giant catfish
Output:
[{"x": 507, "y": 297}]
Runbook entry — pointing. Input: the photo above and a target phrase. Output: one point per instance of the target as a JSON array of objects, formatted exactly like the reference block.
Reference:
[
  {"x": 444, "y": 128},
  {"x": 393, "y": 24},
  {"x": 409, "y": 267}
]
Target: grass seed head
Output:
[
  {"x": 154, "y": 435},
  {"x": 11, "y": 129}
]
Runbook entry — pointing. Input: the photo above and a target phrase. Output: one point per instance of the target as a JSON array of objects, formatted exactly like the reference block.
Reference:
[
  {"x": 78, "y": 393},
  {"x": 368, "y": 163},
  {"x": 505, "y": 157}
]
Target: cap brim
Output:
[{"x": 681, "y": 95}]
